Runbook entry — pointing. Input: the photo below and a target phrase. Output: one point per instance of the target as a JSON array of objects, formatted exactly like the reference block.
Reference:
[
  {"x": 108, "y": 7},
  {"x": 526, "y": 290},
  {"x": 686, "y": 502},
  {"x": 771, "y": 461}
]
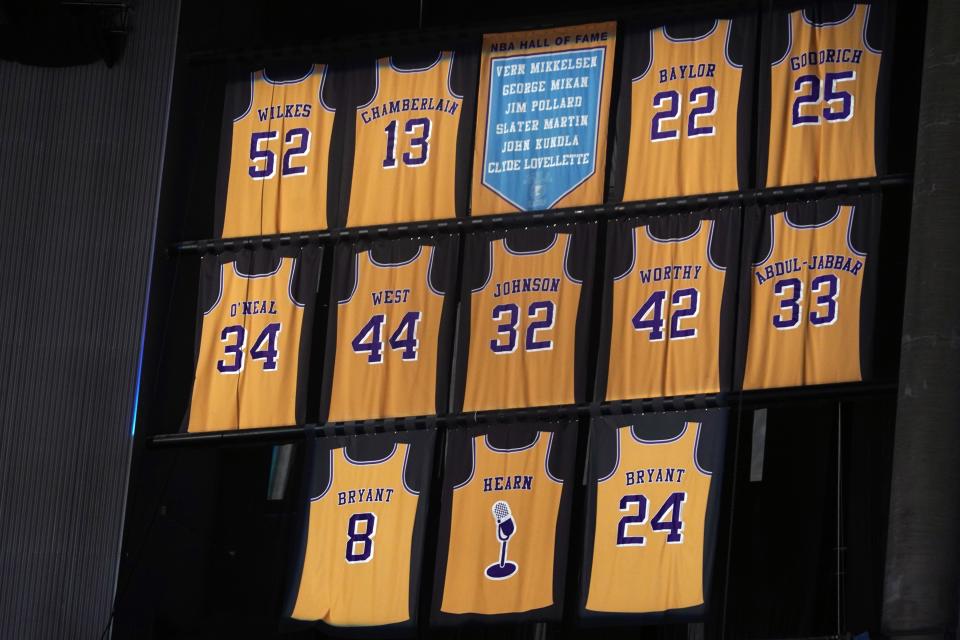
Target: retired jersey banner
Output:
[{"x": 542, "y": 118}]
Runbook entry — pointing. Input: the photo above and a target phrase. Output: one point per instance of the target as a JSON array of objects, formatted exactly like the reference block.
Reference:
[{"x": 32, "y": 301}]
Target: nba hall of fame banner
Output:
[{"x": 543, "y": 106}]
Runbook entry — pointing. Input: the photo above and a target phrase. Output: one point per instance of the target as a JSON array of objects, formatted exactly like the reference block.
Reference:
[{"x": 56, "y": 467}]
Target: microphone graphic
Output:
[{"x": 506, "y": 528}]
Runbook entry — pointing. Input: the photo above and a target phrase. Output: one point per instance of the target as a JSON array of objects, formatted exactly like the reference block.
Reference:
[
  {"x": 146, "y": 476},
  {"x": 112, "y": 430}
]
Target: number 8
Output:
[{"x": 364, "y": 538}]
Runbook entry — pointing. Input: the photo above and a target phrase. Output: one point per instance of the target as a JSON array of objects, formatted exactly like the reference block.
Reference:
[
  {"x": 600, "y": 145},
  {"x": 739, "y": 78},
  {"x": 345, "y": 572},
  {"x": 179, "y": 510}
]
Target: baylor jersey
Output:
[
  {"x": 277, "y": 179},
  {"x": 823, "y": 101}
]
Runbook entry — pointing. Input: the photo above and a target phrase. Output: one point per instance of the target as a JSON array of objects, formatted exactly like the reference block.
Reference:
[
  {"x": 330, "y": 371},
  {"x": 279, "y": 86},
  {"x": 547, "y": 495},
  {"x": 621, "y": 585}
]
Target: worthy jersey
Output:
[
  {"x": 390, "y": 352},
  {"x": 805, "y": 301},
  {"x": 823, "y": 101},
  {"x": 405, "y": 159},
  {"x": 277, "y": 178},
  {"x": 684, "y": 110},
  {"x": 248, "y": 368},
  {"x": 521, "y": 325}
]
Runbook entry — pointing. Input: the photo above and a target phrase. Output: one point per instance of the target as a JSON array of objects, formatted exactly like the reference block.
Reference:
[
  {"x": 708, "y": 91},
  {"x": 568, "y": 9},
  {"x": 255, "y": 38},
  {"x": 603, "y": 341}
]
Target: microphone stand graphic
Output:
[{"x": 506, "y": 528}]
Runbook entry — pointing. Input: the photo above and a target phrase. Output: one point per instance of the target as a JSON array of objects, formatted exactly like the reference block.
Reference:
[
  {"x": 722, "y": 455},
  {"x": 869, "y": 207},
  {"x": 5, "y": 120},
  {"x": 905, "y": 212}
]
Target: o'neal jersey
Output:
[
  {"x": 685, "y": 108},
  {"x": 254, "y": 338},
  {"x": 504, "y": 523},
  {"x": 669, "y": 305},
  {"x": 388, "y": 342},
  {"x": 651, "y": 513},
  {"x": 274, "y": 155},
  {"x": 363, "y": 530},
  {"x": 524, "y": 318},
  {"x": 823, "y": 97},
  {"x": 810, "y": 293}
]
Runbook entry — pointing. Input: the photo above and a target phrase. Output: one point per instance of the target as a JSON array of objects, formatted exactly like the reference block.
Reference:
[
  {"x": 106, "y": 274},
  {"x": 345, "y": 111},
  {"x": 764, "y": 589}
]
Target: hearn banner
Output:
[{"x": 542, "y": 118}]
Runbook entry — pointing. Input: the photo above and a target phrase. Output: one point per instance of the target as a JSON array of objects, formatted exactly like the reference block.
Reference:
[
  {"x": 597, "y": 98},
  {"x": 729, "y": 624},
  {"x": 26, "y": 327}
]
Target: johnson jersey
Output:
[
  {"x": 651, "y": 513},
  {"x": 524, "y": 318},
  {"x": 823, "y": 97},
  {"x": 685, "y": 108},
  {"x": 669, "y": 305},
  {"x": 388, "y": 342},
  {"x": 407, "y": 133},
  {"x": 504, "y": 523},
  {"x": 254, "y": 338},
  {"x": 275, "y": 153},
  {"x": 363, "y": 530},
  {"x": 811, "y": 307}
]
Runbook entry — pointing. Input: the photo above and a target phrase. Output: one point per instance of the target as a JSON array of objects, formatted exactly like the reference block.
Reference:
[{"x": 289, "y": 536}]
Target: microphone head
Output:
[{"x": 501, "y": 510}]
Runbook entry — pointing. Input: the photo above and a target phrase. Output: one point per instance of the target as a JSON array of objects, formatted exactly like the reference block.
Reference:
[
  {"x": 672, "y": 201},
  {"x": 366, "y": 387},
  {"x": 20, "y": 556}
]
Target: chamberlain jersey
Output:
[
  {"x": 405, "y": 161},
  {"x": 823, "y": 99},
  {"x": 684, "y": 104},
  {"x": 253, "y": 349},
  {"x": 502, "y": 519},
  {"x": 361, "y": 552},
  {"x": 651, "y": 544},
  {"x": 669, "y": 306},
  {"x": 524, "y": 318},
  {"x": 807, "y": 311},
  {"x": 389, "y": 339},
  {"x": 279, "y": 149}
]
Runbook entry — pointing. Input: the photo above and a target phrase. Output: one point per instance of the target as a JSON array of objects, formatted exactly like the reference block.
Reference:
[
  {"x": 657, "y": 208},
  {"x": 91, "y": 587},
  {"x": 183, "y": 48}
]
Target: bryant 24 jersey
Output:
[
  {"x": 253, "y": 346},
  {"x": 278, "y": 151},
  {"x": 388, "y": 342},
  {"x": 363, "y": 533},
  {"x": 651, "y": 513},
  {"x": 669, "y": 305},
  {"x": 524, "y": 318},
  {"x": 504, "y": 523}
]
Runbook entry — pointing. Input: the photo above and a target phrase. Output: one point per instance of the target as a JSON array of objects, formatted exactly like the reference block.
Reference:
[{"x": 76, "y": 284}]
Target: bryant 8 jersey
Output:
[
  {"x": 684, "y": 112},
  {"x": 277, "y": 180},
  {"x": 823, "y": 101},
  {"x": 406, "y": 141}
]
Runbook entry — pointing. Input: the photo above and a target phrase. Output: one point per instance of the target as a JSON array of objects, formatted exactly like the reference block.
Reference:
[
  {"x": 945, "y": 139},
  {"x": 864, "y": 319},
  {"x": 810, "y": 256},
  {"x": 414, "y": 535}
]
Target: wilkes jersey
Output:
[
  {"x": 810, "y": 293},
  {"x": 651, "y": 513},
  {"x": 407, "y": 133},
  {"x": 823, "y": 97},
  {"x": 669, "y": 305},
  {"x": 254, "y": 339},
  {"x": 388, "y": 342},
  {"x": 504, "y": 523},
  {"x": 684, "y": 108},
  {"x": 363, "y": 535},
  {"x": 524, "y": 318},
  {"x": 275, "y": 153}
]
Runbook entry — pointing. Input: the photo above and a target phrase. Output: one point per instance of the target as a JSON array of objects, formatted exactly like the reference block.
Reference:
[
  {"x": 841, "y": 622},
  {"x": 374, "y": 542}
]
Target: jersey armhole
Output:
[
  {"x": 326, "y": 489},
  {"x": 219, "y": 297},
  {"x": 696, "y": 451},
  {"x": 473, "y": 463}
]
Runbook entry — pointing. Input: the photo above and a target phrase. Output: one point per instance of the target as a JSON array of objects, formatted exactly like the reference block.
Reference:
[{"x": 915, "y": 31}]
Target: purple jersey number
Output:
[
  {"x": 369, "y": 339},
  {"x": 418, "y": 130},
  {"x": 649, "y": 317},
  {"x": 669, "y": 518},
  {"x": 825, "y": 288},
  {"x": 703, "y": 103},
  {"x": 360, "y": 531},
  {"x": 264, "y": 161},
  {"x": 542, "y": 315},
  {"x": 839, "y": 103},
  {"x": 264, "y": 348}
]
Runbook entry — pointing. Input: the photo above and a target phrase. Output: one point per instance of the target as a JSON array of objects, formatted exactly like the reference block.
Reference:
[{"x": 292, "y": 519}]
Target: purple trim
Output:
[
  {"x": 323, "y": 81},
  {"x": 356, "y": 278},
  {"x": 417, "y": 69},
  {"x": 393, "y": 265},
  {"x": 696, "y": 445},
  {"x": 853, "y": 212},
  {"x": 293, "y": 298},
  {"x": 649, "y": 62},
  {"x": 566, "y": 254},
  {"x": 713, "y": 225},
  {"x": 329, "y": 481},
  {"x": 489, "y": 269},
  {"x": 546, "y": 460},
  {"x": 816, "y": 225},
  {"x": 503, "y": 242},
  {"x": 663, "y": 31},
  {"x": 803, "y": 16},
  {"x": 219, "y": 294},
  {"x": 672, "y": 240},
  {"x": 250, "y": 104},
  {"x": 770, "y": 252},
  {"x": 403, "y": 472},
  {"x": 667, "y": 441},
  {"x": 486, "y": 443},
  {"x": 616, "y": 465},
  {"x": 255, "y": 276},
  {"x": 266, "y": 78},
  {"x": 450, "y": 77},
  {"x": 473, "y": 463},
  {"x": 347, "y": 458}
]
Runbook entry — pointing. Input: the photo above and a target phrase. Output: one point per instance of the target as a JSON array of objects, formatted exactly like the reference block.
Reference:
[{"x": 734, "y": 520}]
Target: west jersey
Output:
[
  {"x": 248, "y": 368},
  {"x": 823, "y": 101},
  {"x": 805, "y": 308},
  {"x": 404, "y": 164},
  {"x": 277, "y": 179}
]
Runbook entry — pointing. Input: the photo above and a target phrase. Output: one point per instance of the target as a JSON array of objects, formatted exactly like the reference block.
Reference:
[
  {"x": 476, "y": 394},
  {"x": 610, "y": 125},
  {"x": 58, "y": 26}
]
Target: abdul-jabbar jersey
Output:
[
  {"x": 685, "y": 108},
  {"x": 388, "y": 341},
  {"x": 504, "y": 523},
  {"x": 669, "y": 305},
  {"x": 254, "y": 337},
  {"x": 652, "y": 513},
  {"x": 524, "y": 318},
  {"x": 810, "y": 320},
  {"x": 824, "y": 93},
  {"x": 276, "y": 153},
  {"x": 408, "y": 157}
]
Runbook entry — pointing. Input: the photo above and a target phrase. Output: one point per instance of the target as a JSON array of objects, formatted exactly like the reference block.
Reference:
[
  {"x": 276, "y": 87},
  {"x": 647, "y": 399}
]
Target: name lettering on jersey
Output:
[
  {"x": 825, "y": 56},
  {"x": 253, "y": 308},
  {"x": 390, "y": 296},
  {"x": 442, "y": 105},
  {"x": 541, "y": 43},
  {"x": 522, "y": 285},
  {"x": 851, "y": 265},
  {"x": 354, "y": 496},
  {"x": 508, "y": 483},
  {"x": 671, "y": 272},
  {"x": 275, "y": 112},
  {"x": 656, "y": 474},
  {"x": 687, "y": 71}
]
